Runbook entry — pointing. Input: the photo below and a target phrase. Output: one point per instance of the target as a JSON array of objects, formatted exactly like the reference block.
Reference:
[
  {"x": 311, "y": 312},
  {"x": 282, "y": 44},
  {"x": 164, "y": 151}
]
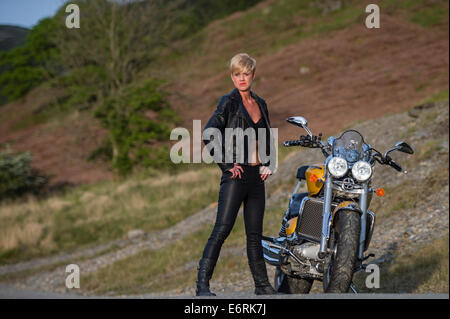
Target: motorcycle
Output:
[{"x": 326, "y": 232}]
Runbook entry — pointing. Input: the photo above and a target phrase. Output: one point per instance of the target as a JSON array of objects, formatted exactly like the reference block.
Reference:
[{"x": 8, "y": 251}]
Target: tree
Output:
[
  {"x": 135, "y": 121},
  {"x": 103, "y": 58},
  {"x": 30, "y": 64}
]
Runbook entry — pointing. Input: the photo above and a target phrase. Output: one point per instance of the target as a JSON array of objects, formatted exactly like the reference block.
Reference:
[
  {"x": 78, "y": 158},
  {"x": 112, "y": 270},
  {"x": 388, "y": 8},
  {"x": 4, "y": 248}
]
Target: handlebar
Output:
[
  {"x": 316, "y": 142},
  {"x": 311, "y": 142},
  {"x": 387, "y": 160},
  {"x": 393, "y": 164},
  {"x": 293, "y": 143},
  {"x": 306, "y": 141}
]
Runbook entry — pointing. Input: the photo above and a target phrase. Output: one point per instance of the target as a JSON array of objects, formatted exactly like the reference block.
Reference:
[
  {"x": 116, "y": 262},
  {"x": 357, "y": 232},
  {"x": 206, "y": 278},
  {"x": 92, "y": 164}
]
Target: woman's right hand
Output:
[{"x": 236, "y": 170}]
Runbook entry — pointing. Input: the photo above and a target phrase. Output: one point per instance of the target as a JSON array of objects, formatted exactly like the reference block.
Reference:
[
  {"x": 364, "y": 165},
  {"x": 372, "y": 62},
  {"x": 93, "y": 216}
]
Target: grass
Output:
[
  {"x": 102, "y": 212},
  {"x": 266, "y": 30},
  {"x": 52, "y": 111},
  {"x": 430, "y": 16},
  {"x": 437, "y": 97},
  {"x": 31, "y": 227},
  {"x": 92, "y": 214},
  {"x": 426, "y": 13},
  {"x": 423, "y": 270},
  {"x": 162, "y": 270},
  {"x": 403, "y": 196}
]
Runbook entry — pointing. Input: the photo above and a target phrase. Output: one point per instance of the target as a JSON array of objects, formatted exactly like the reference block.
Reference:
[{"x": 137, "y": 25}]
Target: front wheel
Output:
[
  {"x": 291, "y": 285},
  {"x": 344, "y": 244}
]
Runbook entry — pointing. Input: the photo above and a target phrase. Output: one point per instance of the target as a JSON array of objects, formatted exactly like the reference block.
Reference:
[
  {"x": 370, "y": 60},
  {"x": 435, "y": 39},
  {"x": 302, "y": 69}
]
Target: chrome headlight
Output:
[
  {"x": 362, "y": 171},
  {"x": 337, "y": 166}
]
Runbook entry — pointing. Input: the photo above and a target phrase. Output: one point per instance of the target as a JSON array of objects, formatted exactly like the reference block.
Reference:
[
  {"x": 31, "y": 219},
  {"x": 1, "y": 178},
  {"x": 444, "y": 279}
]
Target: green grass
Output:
[
  {"x": 437, "y": 97},
  {"x": 426, "y": 13},
  {"x": 339, "y": 19},
  {"x": 430, "y": 16}
]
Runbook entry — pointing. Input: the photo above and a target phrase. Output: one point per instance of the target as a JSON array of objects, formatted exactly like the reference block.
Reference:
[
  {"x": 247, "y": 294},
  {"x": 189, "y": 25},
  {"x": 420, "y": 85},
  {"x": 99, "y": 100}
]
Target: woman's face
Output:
[{"x": 242, "y": 79}]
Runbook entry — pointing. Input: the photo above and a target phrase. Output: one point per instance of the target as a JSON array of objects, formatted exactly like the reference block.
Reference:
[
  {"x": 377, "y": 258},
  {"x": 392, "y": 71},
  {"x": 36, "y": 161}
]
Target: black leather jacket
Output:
[{"x": 229, "y": 115}]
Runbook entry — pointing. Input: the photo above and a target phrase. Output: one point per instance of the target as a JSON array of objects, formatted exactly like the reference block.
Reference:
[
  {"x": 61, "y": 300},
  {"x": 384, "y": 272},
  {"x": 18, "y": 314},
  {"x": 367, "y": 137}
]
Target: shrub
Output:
[{"x": 16, "y": 175}]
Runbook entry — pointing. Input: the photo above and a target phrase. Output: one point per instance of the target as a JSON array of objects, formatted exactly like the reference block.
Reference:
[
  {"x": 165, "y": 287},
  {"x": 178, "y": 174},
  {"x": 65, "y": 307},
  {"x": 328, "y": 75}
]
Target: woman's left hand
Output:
[{"x": 265, "y": 172}]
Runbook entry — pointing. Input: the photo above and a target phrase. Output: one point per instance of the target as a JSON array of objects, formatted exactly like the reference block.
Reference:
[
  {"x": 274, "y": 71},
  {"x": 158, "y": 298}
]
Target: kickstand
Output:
[{"x": 353, "y": 288}]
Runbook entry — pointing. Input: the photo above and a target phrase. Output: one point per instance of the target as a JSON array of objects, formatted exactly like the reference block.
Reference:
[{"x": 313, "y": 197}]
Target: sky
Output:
[{"x": 27, "y": 13}]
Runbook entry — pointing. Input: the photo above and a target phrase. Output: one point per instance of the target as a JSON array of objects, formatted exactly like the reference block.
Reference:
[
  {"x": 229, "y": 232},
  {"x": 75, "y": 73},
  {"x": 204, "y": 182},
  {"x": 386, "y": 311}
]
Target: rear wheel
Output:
[
  {"x": 344, "y": 244},
  {"x": 291, "y": 285}
]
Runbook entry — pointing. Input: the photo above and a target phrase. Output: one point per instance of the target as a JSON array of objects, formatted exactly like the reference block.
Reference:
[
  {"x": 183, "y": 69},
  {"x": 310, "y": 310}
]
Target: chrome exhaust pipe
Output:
[{"x": 271, "y": 253}]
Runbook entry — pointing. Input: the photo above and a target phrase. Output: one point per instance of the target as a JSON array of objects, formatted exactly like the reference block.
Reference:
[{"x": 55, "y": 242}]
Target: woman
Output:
[{"x": 242, "y": 180}]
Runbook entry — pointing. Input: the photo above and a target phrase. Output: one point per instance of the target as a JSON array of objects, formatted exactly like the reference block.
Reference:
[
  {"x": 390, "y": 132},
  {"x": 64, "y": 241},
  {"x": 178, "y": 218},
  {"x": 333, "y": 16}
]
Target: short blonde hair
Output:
[{"x": 242, "y": 62}]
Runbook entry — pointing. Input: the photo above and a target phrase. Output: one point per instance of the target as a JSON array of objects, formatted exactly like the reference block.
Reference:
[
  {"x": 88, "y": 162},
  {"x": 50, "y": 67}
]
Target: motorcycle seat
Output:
[{"x": 301, "y": 172}]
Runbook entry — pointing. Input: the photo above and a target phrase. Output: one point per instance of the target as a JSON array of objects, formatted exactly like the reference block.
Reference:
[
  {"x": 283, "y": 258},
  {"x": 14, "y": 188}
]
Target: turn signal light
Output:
[
  {"x": 313, "y": 178},
  {"x": 380, "y": 192}
]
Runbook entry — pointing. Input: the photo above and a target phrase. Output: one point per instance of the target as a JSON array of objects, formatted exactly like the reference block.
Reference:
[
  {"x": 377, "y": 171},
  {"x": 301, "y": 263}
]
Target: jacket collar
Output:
[{"x": 237, "y": 96}]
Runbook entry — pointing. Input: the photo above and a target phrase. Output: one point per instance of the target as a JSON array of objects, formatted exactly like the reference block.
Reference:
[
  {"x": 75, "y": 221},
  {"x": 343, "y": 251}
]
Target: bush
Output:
[{"x": 16, "y": 175}]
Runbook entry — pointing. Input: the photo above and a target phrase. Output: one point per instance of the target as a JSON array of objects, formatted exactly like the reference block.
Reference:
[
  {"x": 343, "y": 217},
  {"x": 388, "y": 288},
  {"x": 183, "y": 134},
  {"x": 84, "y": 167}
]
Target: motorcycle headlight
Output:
[
  {"x": 337, "y": 166},
  {"x": 362, "y": 171}
]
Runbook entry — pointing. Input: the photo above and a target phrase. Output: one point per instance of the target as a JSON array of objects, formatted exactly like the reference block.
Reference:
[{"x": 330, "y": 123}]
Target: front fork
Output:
[
  {"x": 363, "y": 205},
  {"x": 327, "y": 215}
]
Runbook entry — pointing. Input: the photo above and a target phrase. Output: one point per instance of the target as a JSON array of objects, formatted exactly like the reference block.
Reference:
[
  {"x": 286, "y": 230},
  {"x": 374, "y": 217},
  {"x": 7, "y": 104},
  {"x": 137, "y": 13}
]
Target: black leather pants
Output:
[{"x": 250, "y": 190}]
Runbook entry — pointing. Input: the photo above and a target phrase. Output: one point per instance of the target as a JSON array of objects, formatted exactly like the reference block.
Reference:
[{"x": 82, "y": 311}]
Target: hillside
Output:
[
  {"x": 346, "y": 69},
  {"x": 11, "y": 36},
  {"x": 410, "y": 240}
]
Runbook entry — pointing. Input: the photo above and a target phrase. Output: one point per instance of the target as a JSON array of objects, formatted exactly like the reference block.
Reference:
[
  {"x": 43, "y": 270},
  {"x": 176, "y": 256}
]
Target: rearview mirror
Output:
[
  {"x": 299, "y": 121},
  {"x": 404, "y": 147}
]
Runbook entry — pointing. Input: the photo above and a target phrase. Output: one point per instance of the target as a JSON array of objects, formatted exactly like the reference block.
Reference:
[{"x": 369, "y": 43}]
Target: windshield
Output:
[{"x": 349, "y": 146}]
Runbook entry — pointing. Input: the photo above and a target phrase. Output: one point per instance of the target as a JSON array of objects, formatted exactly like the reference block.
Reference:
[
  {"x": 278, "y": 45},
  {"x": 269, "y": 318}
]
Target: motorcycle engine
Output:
[
  {"x": 311, "y": 266},
  {"x": 307, "y": 250}
]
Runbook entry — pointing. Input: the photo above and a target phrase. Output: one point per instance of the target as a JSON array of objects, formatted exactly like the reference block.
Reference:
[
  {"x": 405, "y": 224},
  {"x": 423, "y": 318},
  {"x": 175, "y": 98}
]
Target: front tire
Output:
[
  {"x": 291, "y": 285},
  {"x": 345, "y": 241}
]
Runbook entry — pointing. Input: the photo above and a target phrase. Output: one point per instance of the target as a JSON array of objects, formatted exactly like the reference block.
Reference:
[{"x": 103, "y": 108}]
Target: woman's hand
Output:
[
  {"x": 236, "y": 170},
  {"x": 265, "y": 172}
]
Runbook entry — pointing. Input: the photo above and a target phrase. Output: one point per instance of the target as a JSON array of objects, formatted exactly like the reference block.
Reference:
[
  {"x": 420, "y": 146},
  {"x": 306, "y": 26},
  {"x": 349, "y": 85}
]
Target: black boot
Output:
[
  {"x": 205, "y": 270},
  {"x": 262, "y": 284}
]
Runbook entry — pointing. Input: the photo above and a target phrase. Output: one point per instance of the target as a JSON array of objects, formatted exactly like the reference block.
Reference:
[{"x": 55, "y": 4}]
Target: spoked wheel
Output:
[
  {"x": 344, "y": 242},
  {"x": 291, "y": 285}
]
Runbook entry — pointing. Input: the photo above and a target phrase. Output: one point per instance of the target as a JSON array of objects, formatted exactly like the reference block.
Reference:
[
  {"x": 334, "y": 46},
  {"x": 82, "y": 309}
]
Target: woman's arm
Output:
[
  {"x": 219, "y": 120},
  {"x": 268, "y": 135}
]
